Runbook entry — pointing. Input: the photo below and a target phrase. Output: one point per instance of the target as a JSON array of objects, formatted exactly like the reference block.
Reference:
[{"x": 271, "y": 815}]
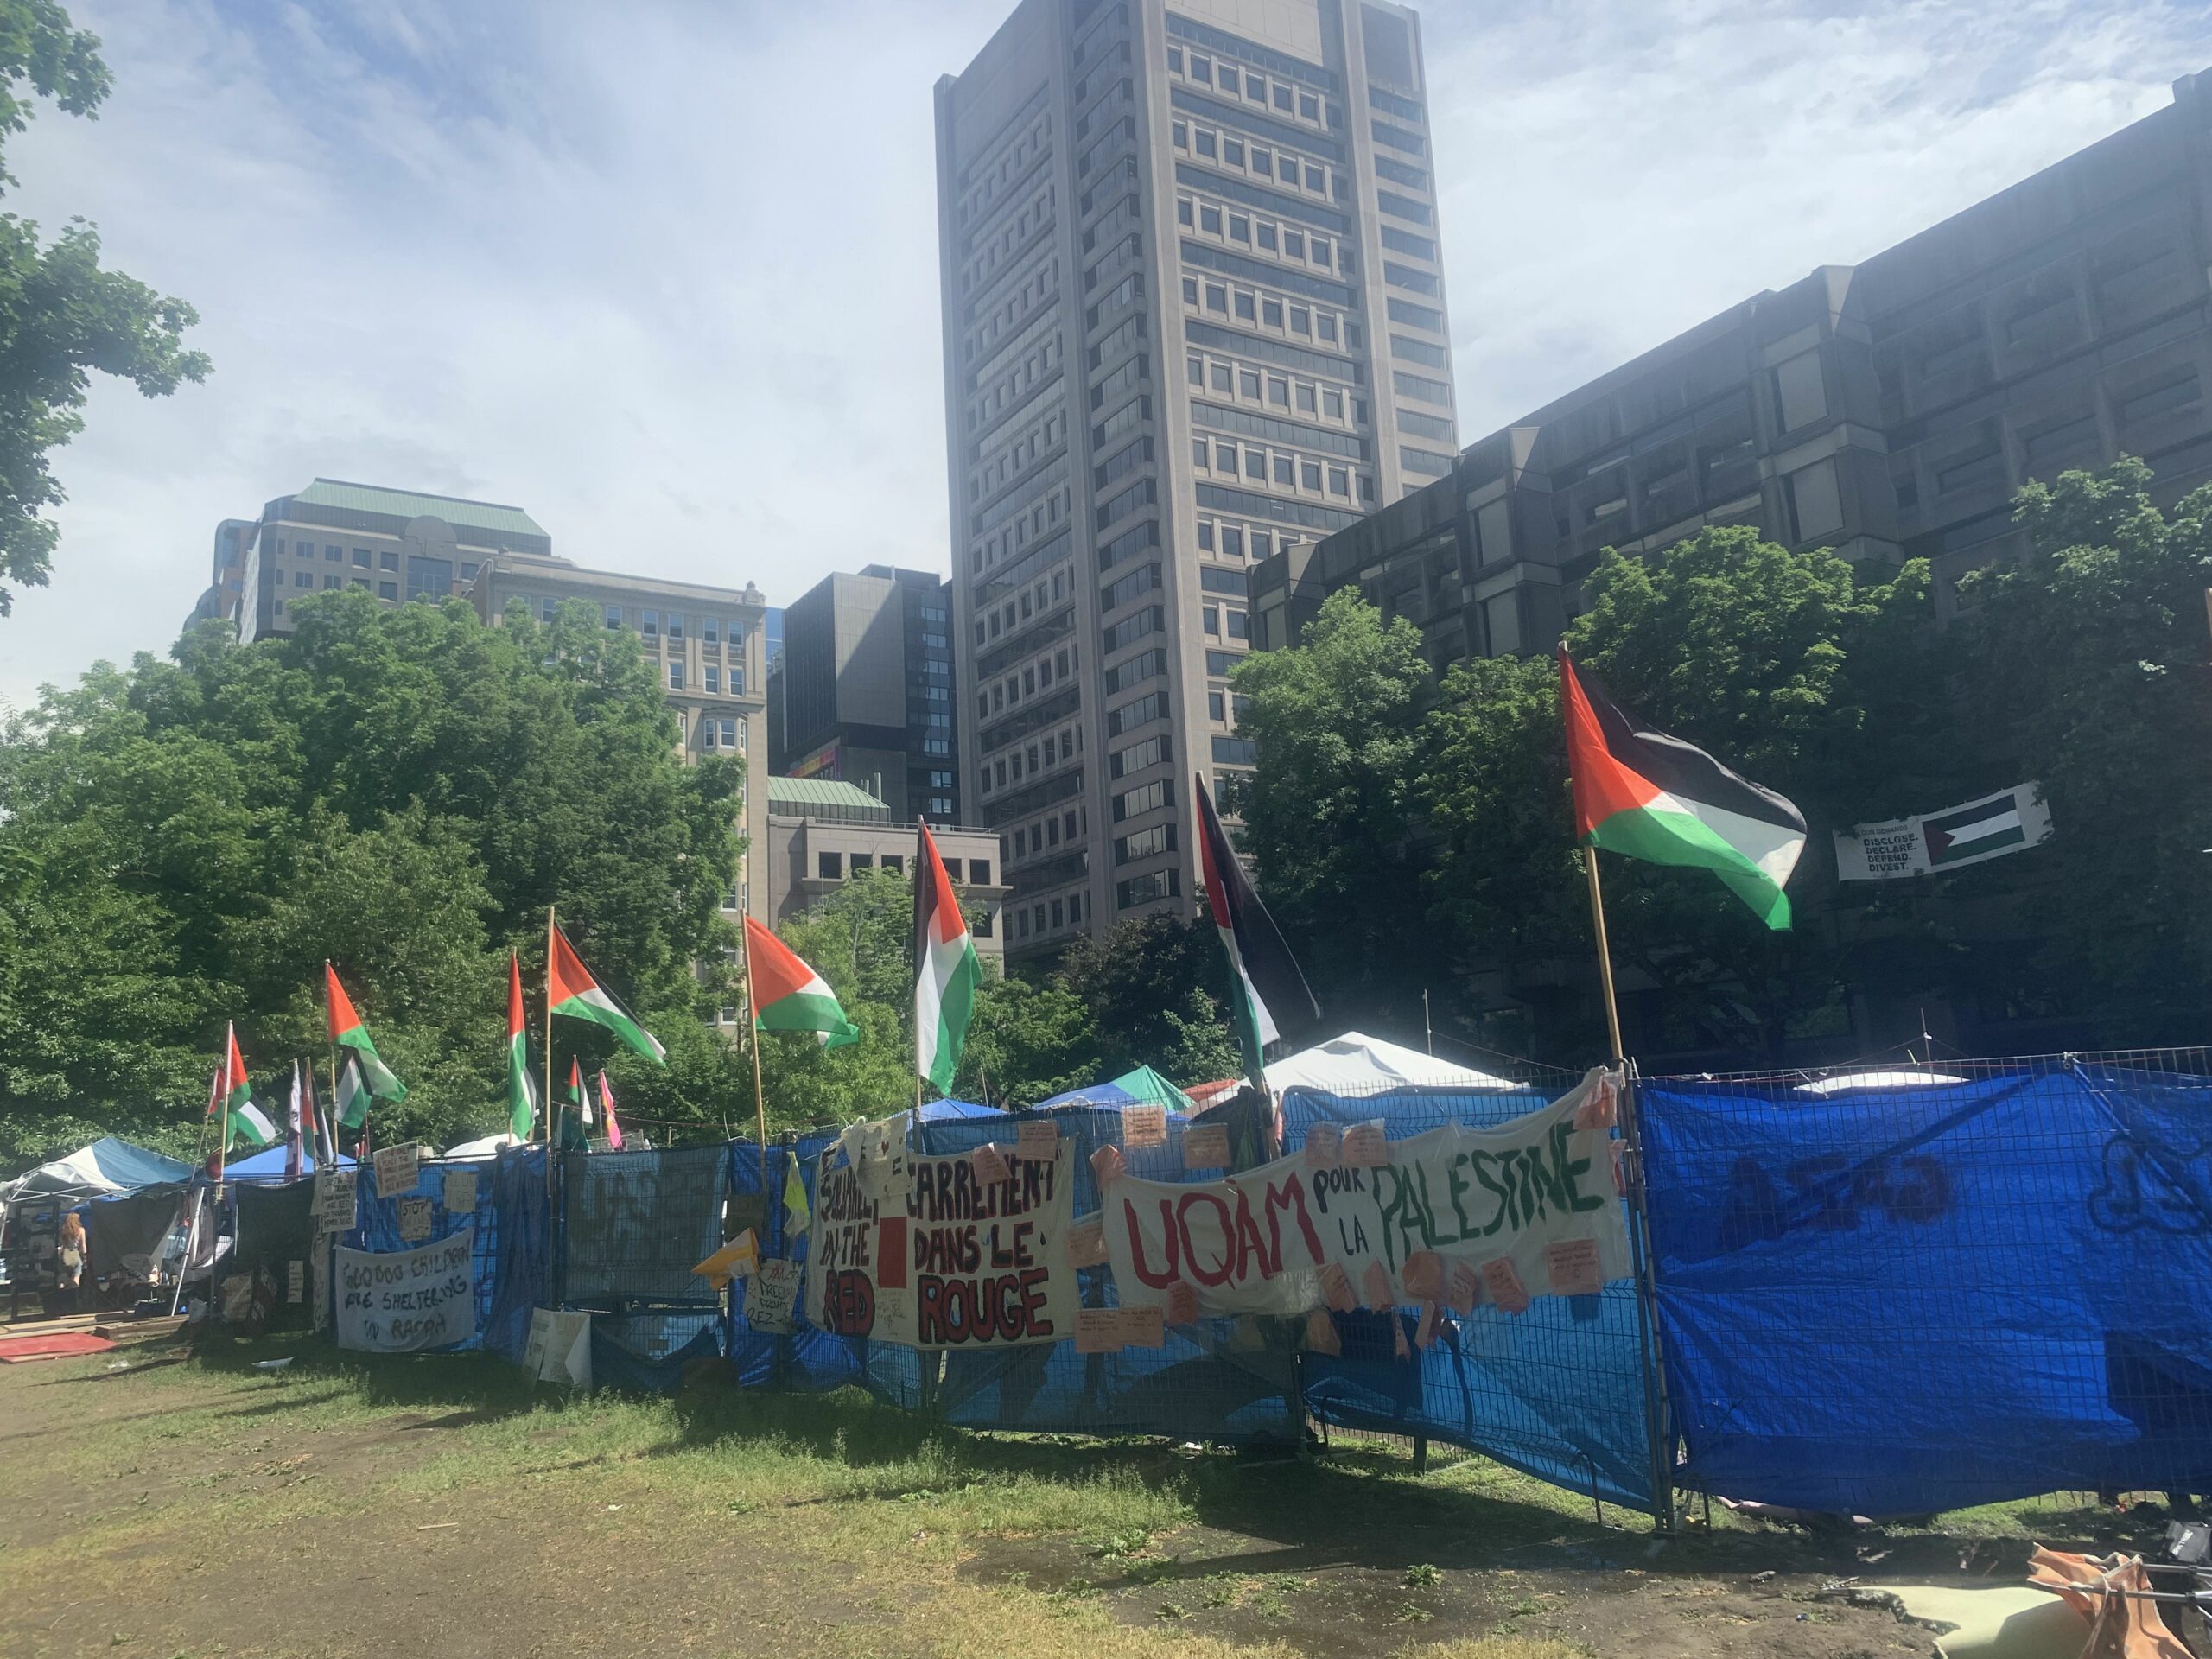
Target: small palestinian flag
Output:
[
  {"x": 243, "y": 1119},
  {"x": 1269, "y": 997},
  {"x": 575, "y": 1111},
  {"x": 1644, "y": 793},
  {"x": 353, "y": 1093},
  {"x": 348, "y": 1032},
  {"x": 787, "y": 995},
  {"x": 946, "y": 970},
  {"x": 607, "y": 1106},
  {"x": 571, "y": 990},
  {"x": 522, "y": 1088}
]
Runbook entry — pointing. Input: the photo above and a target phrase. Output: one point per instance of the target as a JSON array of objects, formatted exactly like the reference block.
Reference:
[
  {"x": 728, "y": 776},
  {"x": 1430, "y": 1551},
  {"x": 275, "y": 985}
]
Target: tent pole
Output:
[{"x": 191, "y": 1234}]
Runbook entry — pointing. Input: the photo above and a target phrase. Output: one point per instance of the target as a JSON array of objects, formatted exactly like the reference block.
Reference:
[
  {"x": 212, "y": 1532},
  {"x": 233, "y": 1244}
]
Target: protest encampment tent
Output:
[
  {"x": 1843, "y": 1082},
  {"x": 1143, "y": 1087},
  {"x": 1357, "y": 1063},
  {"x": 106, "y": 1167},
  {"x": 269, "y": 1165},
  {"x": 489, "y": 1145}
]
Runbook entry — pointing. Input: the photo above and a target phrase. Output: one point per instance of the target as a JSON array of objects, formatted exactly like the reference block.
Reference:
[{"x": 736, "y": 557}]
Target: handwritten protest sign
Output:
[
  {"x": 770, "y": 1298},
  {"x": 1205, "y": 1145},
  {"x": 1526, "y": 1209},
  {"x": 334, "y": 1191},
  {"x": 950, "y": 1259},
  {"x": 414, "y": 1219},
  {"x": 460, "y": 1192},
  {"x": 399, "y": 1168},
  {"x": 1144, "y": 1126},
  {"x": 397, "y": 1302}
]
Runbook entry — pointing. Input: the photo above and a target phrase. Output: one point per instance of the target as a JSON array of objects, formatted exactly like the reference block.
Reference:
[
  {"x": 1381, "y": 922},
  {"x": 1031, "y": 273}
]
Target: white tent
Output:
[
  {"x": 1357, "y": 1063},
  {"x": 490, "y": 1147},
  {"x": 1844, "y": 1082}
]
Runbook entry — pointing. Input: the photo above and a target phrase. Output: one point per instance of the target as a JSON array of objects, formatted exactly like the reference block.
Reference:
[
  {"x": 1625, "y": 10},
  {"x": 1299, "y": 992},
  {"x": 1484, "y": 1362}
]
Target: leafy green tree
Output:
[
  {"x": 1156, "y": 986},
  {"x": 1326, "y": 818},
  {"x": 62, "y": 315}
]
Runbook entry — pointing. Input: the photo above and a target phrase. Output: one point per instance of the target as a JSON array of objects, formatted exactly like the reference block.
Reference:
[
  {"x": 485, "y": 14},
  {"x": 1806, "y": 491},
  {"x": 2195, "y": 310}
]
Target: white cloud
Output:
[{"x": 667, "y": 275}]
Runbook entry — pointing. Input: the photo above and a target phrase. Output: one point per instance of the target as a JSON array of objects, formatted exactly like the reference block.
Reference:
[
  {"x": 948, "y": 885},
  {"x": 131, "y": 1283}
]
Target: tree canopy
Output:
[{"x": 62, "y": 315}]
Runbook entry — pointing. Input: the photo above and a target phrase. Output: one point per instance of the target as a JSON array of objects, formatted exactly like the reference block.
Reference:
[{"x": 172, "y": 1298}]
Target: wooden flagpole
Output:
[
  {"x": 1605, "y": 950},
  {"x": 550, "y": 1106},
  {"x": 753, "y": 1041}
]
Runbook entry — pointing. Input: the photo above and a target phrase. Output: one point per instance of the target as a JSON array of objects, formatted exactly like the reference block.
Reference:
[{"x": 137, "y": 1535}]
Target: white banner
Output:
[
  {"x": 397, "y": 1302},
  {"x": 961, "y": 1253},
  {"x": 1452, "y": 1218},
  {"x": 2010, "y": 820}
]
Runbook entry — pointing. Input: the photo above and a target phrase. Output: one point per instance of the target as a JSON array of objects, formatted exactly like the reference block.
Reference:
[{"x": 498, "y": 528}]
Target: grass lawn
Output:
[{"x": 156, "y": 1504}]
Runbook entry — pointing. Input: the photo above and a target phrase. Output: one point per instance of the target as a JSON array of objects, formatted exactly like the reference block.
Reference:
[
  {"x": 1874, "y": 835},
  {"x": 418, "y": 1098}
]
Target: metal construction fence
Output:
[{"x": 1888, "y": 1294}]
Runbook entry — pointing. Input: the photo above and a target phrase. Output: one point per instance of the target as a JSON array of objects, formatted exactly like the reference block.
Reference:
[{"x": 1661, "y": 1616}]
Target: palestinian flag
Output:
[
  {"x": 293, "y": 1126},
  {"x": 1644, "y": 793},
  {"x": 522, "y": 1090},
  {"x": 787, "y": 995},
  {"x": 352, "y": 1092},
  {"x": 946, "y": 970},
  {"x": 607, "y": 1106},
  {"x": 346, "y": 1031},
  {"x": 571, "y": 990},
  {"x": 242, "y": 1119},
  {"x": 797, "y": 1216},
  {"x": 1269, "y": 993},
  {"x": 1967, "y": 835},
  {"x": 575, "y": 1111}
]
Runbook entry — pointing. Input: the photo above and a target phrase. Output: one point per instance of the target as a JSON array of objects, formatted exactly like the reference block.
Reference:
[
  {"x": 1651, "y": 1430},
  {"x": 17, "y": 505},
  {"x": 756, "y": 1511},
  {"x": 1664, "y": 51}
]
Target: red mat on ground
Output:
[{"x": 59, "y": 1345}]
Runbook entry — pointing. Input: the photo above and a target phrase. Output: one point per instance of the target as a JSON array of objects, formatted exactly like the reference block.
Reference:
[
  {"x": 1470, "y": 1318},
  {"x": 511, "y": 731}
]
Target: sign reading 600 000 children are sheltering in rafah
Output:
[
  {"x": 1454, "y": 1216},
  {"x": 397, "y": 1302},
  {"x": 957, "y": 1253}
]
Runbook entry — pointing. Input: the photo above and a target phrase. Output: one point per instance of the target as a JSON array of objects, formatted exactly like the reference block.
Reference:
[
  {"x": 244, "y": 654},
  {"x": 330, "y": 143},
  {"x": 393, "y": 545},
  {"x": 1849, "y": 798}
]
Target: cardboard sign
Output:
[
  {"x": 1366, "y": 1146},
  {"x": 1144, "y": 1126},
  {"x": 953, "y": 1261},
  {"x": 398, "y": 1169},
  {"x": 1107, "y": 1167},
  {"x": 771, "y": 1297},
  {"x": 1574, "y": 1269},
  {"x": 1205, "y": 1145},
  {"x": 335, "y": 1192},
  {"x": 1098, "y": 1330},
  {"x": 559, "y": 1349},
  {"x": 1503, "y": 1282},
  {"x": 295, "y": 1283},
  {"x": 1086, "y": 1246},
  {"x": 1182, "y": 1305},
  {"x": 460, "y": 1192},
  {"x": 1286, "y": 1238},
  {"x": 1462, "y": 1289},
  {"x": 1325, "y": 1145},
  {"x": 414, "y": 1219},
  {"x": 1037, "y": 1137},
  {"x": 1321, "y": 1336},
  {"x": 989, "y": 1165},
  {"x": 400, "y": 1301}
]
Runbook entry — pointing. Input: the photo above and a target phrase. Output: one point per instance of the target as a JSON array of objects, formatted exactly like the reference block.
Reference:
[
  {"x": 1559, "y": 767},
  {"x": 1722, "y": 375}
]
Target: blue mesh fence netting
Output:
[
  {"x": 525, "y": 1246},
  {"x": 1916, "y": 1293},
  {"x": 378, "y": 1229}
]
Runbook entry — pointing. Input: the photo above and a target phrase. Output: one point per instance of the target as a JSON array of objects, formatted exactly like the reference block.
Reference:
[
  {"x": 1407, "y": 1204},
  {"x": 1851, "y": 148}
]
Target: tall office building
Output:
[
  {"x": 1194, "y": 313},
  {"x": 862, "y": 691}
]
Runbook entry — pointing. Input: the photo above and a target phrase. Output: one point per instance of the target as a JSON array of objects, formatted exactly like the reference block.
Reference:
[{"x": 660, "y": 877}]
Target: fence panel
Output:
[
  {"x": 635, "y": 1223},
  {"x": 1901, "y": 1298}
]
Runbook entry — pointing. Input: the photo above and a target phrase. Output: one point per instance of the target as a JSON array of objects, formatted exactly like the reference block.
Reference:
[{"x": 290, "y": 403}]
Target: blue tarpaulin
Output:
[
  {"x": 270, "y": 1164},
  {"x": 1894, "y": 1300}
]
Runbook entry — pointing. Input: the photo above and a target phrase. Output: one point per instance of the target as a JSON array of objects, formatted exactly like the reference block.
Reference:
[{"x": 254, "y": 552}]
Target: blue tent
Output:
[
  {"x": 951, "y": 1111},
  {"x": 106, "y": 1167},
  {"x": 268, "y": 1165},
  {"x": 1143, "y": 1087}
]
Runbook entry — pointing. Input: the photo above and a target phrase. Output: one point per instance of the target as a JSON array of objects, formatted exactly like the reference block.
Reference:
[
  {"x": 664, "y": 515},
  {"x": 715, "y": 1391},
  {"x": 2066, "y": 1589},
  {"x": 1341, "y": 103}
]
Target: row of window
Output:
[
  {"x": 1286, "y": 470},
  {"x": 385, "y": 558},
  {"x": 987, "y": 179},
  {"x": 1015, "y": 311},
  {"x": 1071, "y": 917},
  {"x": 1032, "y": 520},
  {"x": 1035, "y": 839},
  {"x": 1148, "y": 889},
  {"x": 1004, "y": 619},
  {"x": 1041, "y": 439},
  {"x": 1225, "y": 622},
  {"x": 1241, "y": 383},
  {"x": 1015, "y": 385},
  {"x": 1055, "y": 749},
  {"x": 1234, "y": 227},
  {"x": 1234, "y": 540},
  {"x": 710, "y": 680},
  {"x": 1279, "y": 166},
  {"x": 835, "y": 867},
  {"x": 725, "y": 732},
  {"x": 985, "y": 259},
  {"x": 1034, "y": 678},
  {"x": 1231, "y": 80}
]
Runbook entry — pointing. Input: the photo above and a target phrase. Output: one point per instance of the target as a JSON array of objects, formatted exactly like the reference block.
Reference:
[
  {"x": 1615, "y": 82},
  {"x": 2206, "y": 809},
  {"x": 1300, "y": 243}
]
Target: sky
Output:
[{"x": 664, "y": 275}]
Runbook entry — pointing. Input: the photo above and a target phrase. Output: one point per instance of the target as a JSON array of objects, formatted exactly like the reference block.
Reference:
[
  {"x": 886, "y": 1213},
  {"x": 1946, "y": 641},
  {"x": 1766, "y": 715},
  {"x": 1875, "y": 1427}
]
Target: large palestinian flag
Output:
[
  {"x": 946, "y": 970},
  {"x": 348, "y": 1032},
  {"x": 522, "y": 1091},
  {"x": 787, "y": 995},
  {"x": 571, "y": 990},
  {"x": 1644, "y": 793},
  {"x": 242, "y": 1119},
  {"x": 1268, "y": 995}
]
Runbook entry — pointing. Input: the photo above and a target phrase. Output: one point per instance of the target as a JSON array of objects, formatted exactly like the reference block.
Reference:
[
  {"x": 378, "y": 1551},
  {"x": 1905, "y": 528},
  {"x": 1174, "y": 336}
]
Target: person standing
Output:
[{"x": 69, "y": 1263}]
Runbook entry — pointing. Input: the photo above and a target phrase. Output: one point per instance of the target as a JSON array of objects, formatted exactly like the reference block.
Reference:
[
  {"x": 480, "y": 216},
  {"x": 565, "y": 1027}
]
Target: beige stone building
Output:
[{"x": 705, "y": 646}]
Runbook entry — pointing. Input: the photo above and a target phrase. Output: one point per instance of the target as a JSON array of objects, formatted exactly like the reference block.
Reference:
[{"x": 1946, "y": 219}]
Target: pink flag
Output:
[{"x": 606, "y": 1104}]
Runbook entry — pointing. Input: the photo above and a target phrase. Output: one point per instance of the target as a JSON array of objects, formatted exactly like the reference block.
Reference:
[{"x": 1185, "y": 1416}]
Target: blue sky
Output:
[{"x": 665, "y": 273}]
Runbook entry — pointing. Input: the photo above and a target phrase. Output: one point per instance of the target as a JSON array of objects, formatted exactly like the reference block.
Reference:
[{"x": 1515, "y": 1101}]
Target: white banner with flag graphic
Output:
[{"x": 2007, "y": 822}]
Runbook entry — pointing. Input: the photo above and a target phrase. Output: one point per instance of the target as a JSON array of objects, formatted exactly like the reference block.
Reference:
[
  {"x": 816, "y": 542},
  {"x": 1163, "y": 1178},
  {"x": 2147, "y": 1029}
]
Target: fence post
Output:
[{"x": 1658, "y": 1422}]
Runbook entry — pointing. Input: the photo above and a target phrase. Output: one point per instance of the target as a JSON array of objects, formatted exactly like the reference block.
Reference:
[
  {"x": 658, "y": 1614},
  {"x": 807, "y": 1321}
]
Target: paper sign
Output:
[
  {"x": 559, "y": 1349},
  {"x": 1036, "y": 1137},
  {"x": 1098, "y": 1330},
  {"x": 1086, "y": 1244},
  {"x": 1336, "y": 1287},
  {"x": 1573, "y": 1265},
  {"x": 460, "y": 1192},
  {"x": 1182, "y": 1305},
  {"x": 1141, "y": 1327},
  {"x": 1375, "y": 1286},
  {"x": 295, "y": 1283},
  {"x": 1205, "y": 1145},
  {"x": 1503, "y": 1283},
  {"x": 736, "y": 1259},
  {"x": 1366, "y": 1147},
  {"x": 399, "y": 1168},
  {"x": 771, "y": 1296},
  {"x": 414, "y": 1219},
  {"x": 1398, "y": 1343},
  {"x": 397, "y": 1302},
  {"x": 1423, "y": 1276},
  {"x": 1143, "y": 1127},
  {"x": 1107, "y": 1167},
  {"x": 1321, "y": 1336},
  {"x": 1325, "y": 1144},
  {"x": 334, "y": 1193},
  {"x": 989, "y": 1165},
  {"x": 1462, "y": 1289},
  {"x": 1425, "y": 1333}
]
